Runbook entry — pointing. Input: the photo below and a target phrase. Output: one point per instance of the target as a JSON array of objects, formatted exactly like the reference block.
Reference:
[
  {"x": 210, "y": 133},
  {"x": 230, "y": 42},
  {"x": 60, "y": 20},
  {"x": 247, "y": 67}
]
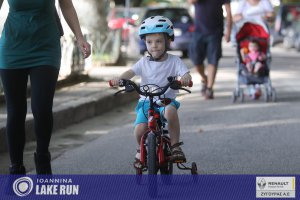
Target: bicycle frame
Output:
[{"x": 155, "y": 127}]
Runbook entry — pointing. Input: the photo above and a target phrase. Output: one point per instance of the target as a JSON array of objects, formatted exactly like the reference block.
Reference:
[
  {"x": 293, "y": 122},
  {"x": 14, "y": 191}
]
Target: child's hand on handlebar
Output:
[
  {"x": 186, "y": 80},
  {"x": 126, "y": 75},
  {"x": 114, "y": 82}
]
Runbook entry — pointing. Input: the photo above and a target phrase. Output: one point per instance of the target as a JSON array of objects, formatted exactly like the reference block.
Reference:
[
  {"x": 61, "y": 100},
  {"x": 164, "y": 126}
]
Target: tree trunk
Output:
[{"x": 92, "y": 16}]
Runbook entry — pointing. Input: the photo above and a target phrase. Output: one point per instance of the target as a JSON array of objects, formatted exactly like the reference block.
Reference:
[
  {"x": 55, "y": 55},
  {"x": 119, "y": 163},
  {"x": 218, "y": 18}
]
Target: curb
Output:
[
  {"x": 70, "y": 80},
  {"x": 74, "y": 112}
]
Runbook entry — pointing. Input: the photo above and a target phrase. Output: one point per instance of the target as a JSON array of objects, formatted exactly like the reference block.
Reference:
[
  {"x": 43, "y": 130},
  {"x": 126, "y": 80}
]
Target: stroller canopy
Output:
[{"x": 253, "y": 30}]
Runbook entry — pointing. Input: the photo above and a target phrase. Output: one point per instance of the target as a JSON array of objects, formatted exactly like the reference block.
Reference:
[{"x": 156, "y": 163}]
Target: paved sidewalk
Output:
[{"x": 75, "y": 103}]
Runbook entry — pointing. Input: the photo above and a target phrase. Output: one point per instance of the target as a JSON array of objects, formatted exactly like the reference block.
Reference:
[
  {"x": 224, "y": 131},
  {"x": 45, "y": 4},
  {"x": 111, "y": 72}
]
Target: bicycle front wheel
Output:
[
  {"x": 152, "y": 165},
  {"x": 151, "y": 157}
]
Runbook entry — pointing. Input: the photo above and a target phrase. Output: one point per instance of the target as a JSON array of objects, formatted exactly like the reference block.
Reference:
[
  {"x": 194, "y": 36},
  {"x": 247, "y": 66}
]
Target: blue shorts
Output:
[
  {"x": 206, "y": 46},
  {"x": 142, "y": 117}
]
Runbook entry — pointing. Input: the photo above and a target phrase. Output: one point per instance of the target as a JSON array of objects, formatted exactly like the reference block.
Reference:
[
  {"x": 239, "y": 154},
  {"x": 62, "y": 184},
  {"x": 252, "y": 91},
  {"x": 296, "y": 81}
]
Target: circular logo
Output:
[
  {"x": 23, "y": 186},
  {"x": 261, "y": 183}
]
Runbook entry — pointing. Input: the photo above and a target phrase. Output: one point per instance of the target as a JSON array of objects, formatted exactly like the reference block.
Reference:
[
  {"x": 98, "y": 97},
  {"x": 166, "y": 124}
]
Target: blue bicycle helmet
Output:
[{"x": 156, "y": 24}]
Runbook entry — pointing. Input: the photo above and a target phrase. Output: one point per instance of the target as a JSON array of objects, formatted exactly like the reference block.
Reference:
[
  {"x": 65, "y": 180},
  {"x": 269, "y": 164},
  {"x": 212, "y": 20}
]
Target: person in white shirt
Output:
[{"x": 254, "y": 10}]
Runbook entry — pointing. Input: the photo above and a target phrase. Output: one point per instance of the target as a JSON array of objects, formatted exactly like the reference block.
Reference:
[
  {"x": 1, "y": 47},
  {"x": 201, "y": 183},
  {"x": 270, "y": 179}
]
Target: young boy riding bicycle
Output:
[{"x": 157, "y": 32}]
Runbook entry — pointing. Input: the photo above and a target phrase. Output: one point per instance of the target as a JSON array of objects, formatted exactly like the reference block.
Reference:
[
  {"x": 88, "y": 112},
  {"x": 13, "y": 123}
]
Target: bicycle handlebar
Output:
[{"x": 131, "y": 86}]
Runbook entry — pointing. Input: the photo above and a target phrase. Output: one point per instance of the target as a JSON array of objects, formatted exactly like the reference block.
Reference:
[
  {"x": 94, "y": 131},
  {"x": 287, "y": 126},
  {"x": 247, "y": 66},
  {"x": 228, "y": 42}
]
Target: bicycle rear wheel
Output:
[{"x": 152, "y": 165}]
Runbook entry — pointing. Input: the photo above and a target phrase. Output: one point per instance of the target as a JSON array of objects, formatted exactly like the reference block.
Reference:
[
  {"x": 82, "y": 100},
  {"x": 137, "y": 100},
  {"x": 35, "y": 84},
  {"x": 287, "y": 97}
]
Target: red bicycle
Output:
[{"x": 155, "y": 145}]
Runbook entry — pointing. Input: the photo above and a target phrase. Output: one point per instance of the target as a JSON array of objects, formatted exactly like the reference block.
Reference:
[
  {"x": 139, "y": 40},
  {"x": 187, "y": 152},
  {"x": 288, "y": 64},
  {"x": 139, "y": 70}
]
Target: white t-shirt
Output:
[
  {"x": 257, "y": 12},
  {"x": 153, "y": 72}
]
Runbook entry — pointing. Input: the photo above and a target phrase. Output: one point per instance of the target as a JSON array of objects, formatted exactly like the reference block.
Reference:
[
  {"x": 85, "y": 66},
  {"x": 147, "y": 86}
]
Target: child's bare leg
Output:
[
  {"x": 174, "y": 130},
  {"x": 257, "y": 67},
  {"x": 249, "y": 67},
  {"x": 173, "y": 124},
  {"x": 139, "y": 130}
]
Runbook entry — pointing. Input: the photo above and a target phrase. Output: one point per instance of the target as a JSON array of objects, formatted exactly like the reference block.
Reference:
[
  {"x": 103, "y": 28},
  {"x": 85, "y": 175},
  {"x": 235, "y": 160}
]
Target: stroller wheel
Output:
[
  {"x": 266, "y": 95},
  {"x": 234, "y": 96},
  {"x": 273, "y": 95},
  {"x": 241, "y": 95},
  {"x": 238, "y": 94}
]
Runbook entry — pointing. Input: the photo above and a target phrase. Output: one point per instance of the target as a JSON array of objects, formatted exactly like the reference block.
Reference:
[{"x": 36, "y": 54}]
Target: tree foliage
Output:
[
  {"x": 136, "y": 3},
  {"x": 290, "y": 1}
]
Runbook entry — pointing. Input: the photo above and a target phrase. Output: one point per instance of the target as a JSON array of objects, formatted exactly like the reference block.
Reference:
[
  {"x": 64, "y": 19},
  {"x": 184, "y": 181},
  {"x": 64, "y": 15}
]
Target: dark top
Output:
[
  {"x": 209, "y": 16},
  {"x": 30, "y": 35}
]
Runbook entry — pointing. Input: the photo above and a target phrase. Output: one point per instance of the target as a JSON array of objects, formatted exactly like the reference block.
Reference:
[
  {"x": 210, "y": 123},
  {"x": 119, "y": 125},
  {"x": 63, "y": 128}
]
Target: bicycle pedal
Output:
[
  {"x": 179, "y": 161},
  {"x": 144, "y": 169}
]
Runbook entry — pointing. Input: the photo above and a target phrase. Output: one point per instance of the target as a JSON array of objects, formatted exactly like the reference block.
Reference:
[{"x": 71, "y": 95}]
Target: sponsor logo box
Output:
[{"x": 275, "y": 187}]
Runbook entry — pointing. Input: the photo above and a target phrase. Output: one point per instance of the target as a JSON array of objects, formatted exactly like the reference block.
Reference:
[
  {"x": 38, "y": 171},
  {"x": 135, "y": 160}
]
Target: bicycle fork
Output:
[
  {"x": 162, "y": 158},
  {"x": 143, "y": 150}
]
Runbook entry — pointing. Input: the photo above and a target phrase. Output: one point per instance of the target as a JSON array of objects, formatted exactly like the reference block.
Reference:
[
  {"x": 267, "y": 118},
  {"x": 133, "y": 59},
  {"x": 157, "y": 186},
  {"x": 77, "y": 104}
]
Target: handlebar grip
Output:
[
  {"x": 190, "y": 83},
  {"x": 121, "y": 83}
]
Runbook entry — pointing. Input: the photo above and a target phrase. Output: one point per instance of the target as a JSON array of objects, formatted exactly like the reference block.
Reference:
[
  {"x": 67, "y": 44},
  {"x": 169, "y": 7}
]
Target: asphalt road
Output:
[{"x": 253, "y": 137}]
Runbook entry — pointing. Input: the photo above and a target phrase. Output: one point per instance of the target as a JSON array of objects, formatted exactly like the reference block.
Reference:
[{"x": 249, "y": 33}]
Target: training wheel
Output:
[
  {"x": 194, "y": 172},
  {"x": 194, "y": 168}
]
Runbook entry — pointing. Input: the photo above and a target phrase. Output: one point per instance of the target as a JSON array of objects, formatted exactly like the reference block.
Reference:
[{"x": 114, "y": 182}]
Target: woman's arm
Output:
[
  {"x": 239, "y": 12},
  {"x": 269, "y": 17},
  {"x": 270, "y": 14},
  {"x": 71, "y": 18},
  {"x": 228, "y": 22},
  {"x": 237, "y": 17}
]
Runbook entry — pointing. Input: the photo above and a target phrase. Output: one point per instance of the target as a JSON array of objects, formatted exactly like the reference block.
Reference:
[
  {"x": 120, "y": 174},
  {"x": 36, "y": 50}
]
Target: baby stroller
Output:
[{"x": 253, "y": 83}]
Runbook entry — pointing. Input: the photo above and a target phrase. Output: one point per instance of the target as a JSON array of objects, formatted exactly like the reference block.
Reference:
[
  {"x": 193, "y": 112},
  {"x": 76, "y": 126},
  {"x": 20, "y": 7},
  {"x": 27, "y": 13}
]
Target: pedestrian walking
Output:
[
  {"x": 30, "y": 49},
  {"x": 207, "y": 39}
]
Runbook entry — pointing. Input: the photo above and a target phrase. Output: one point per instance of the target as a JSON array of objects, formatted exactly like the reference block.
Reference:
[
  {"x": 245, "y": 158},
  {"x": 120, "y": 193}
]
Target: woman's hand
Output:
[
  {"x": 71, "y": 18},
  {"x": 237, "y": 17},
  {"x": 84, "y": 47}
]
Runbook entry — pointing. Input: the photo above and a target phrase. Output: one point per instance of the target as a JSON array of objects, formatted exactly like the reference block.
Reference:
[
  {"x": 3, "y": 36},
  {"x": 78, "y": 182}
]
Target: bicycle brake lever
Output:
[
  {"x": 185, "y": 90},
  {"x": 175, "y": 85},
  {"x": 129, "y": 88},
  {"x": 119, "y": 92}
]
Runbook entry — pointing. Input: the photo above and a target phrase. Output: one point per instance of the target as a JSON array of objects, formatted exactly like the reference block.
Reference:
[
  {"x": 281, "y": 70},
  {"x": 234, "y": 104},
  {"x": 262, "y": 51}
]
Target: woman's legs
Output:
[
  {"x": 43, "y": 82},
  {"x": 15, "y": 89}
]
